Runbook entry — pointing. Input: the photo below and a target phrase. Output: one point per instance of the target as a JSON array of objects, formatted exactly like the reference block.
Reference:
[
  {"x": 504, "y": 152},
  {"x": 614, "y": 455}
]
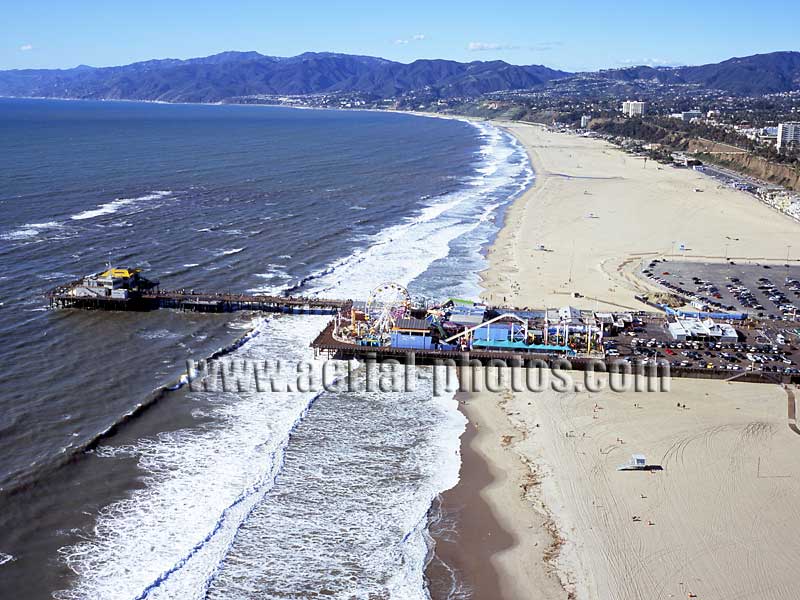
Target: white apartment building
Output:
[
  {"x": 788, "y": 133},
  {"x": 688, "y": 115},
  {"x": 633, "y": 108}
]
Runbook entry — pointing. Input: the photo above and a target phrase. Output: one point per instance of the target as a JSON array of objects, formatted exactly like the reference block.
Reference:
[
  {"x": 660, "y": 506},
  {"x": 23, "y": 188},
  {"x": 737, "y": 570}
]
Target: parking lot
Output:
[
  {"x": 773, "y": 347},
  {"x": 763, "y": 291}
]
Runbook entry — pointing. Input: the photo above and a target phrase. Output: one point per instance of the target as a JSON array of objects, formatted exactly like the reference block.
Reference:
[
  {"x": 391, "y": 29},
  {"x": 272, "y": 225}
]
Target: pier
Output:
[
  {"x": 208, "y": 302},
  {"x": 327, "y": 344},
  {"x": 126, "y": 289},
  {"x": 390, "y": 326}
]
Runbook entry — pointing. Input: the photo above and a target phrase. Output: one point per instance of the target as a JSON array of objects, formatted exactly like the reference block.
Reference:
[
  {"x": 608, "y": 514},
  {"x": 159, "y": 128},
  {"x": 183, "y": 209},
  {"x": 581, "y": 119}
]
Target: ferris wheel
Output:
[{"x": 387, "y": 303}]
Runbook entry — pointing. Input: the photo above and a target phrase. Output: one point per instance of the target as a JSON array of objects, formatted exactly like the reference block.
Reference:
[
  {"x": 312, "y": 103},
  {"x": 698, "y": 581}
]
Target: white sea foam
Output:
[
  {"x": 157, "y": 334},
  {"x": 440, "y": 461},
  {"x": 168, "y": 539},
  {"x": 229, "y": 251},
  {"x": 60, "y": 275},
  {"x": 376, "y": 474},
  {"x": 29, "y": 230},
  {"x": 274, "y": 273},
  {"x": 405, "y": 251},
  {"x": 5, "y": 558},
  {"x": 364, "y": 532},
  {"x": 116, "y": 205},
  {"x": 251, "y": 325}
]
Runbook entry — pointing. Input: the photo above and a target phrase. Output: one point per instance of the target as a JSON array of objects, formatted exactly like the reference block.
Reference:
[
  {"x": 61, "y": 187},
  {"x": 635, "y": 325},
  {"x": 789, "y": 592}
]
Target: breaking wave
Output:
[
  {"x": 118, "y": 204},
  {"x": 405, "y": 251},
  {"x": 261, "y": 498}
]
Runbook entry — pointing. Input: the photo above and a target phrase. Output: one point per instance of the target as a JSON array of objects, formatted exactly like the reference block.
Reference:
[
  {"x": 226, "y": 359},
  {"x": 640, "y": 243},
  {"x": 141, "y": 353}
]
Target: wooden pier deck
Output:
[
  {"x": 80, "y": 295},
  {"x": 326, "y": 343},
  {"x": 198, "y": 302}
]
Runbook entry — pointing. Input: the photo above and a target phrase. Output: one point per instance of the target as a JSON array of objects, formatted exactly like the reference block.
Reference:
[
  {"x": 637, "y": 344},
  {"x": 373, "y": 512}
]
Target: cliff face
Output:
[{"x": 744, "y": 162}]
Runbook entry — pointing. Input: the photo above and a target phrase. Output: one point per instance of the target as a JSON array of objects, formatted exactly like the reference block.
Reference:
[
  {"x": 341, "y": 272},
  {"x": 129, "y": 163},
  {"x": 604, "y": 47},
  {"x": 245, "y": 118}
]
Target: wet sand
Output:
[
  {"x": 718, "y": 520},
  {"x": 476, "y": 542},
  {"x": 467, "y": 532}
]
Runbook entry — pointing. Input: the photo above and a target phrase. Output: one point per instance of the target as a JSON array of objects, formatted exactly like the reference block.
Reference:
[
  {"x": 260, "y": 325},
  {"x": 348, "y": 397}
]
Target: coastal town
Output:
[
  {"x": 305, "y": 301},
  {"x": 706, "y": 295},
  {"x": 740, "y": 126}
]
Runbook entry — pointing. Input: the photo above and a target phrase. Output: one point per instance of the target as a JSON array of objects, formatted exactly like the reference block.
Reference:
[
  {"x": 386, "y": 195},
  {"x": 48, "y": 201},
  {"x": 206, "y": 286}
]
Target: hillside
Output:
[
  {"x": 751, "y": 75},
  {"x": 234, "y": 74}
]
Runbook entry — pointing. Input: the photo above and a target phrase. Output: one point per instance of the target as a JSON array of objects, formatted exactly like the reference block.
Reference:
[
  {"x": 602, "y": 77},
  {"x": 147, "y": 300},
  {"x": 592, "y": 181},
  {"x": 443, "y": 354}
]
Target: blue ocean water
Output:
[{"x": 267, "y": 495}]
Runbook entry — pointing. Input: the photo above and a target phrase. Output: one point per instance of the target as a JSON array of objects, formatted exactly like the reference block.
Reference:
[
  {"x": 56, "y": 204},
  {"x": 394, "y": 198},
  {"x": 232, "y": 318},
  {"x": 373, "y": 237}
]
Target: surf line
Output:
[
  {"x": 259, "y": 487},
  {"x": 153, "y": 398}
]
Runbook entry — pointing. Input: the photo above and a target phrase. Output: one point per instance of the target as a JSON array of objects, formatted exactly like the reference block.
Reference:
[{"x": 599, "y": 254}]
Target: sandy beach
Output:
[
  {"x": 600, "y": 212},
  {"x": 717, "y": 521}
]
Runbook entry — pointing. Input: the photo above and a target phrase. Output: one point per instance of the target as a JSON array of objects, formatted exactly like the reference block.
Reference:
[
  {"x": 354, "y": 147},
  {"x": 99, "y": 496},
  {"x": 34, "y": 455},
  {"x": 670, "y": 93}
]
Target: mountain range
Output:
[
  {"x": 751, "y": 75},
  {"x": 231, "y": 75}
]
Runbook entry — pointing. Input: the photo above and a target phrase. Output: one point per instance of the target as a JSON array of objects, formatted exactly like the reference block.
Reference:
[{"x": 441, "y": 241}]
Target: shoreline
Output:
[
  {"x": 466, "y": 533},
  {"x": 452, "y": 571},
  {"x": 490, "y": 554},
  {"x": 587, "y": 206},
  {"x": 542, "y": 485}
]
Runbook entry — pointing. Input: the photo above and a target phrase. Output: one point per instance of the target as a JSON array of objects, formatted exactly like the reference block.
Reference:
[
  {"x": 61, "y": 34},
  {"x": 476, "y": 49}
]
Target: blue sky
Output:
[{"x": 567, "y": 35}]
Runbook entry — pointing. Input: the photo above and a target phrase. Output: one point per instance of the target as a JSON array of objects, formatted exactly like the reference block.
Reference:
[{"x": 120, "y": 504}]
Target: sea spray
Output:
[
  {"x": 208, "y": 515},
  {"x": 168, "y": 539}
]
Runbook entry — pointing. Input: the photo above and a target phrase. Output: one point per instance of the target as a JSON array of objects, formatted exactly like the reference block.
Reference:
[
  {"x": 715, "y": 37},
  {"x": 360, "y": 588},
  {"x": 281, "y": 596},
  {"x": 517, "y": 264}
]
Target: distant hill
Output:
[
  {"x": 234, "y": 74},
  {"x": 751, "y": 75}
]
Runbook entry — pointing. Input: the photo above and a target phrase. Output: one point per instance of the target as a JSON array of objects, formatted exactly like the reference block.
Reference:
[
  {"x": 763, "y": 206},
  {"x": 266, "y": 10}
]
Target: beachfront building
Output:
[
  {"x": 112, "y": 283},
  {"x": 411, "y": 333},
  {"x": 633, "y": 108},
  {"x": 788, "y": 134},
  {"x": 569, "y": 314},
  {"x": 687, "y": 115},
  {"x": 585, "y": 121},
  {"x": 707, "y": 330}
]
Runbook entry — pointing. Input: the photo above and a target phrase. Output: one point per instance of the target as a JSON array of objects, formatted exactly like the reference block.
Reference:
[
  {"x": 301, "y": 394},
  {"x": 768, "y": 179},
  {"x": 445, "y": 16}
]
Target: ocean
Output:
[{"x": 112, "y": 488}]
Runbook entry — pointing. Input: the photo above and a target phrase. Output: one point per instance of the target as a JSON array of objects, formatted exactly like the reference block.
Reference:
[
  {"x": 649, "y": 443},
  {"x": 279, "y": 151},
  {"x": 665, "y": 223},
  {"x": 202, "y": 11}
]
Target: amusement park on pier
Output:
[{"x": 390, "y": 324}]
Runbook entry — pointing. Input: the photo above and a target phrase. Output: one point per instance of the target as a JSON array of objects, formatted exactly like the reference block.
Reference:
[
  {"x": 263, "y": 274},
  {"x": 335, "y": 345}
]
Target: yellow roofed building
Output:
[{"x": 119, "y": 273}]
